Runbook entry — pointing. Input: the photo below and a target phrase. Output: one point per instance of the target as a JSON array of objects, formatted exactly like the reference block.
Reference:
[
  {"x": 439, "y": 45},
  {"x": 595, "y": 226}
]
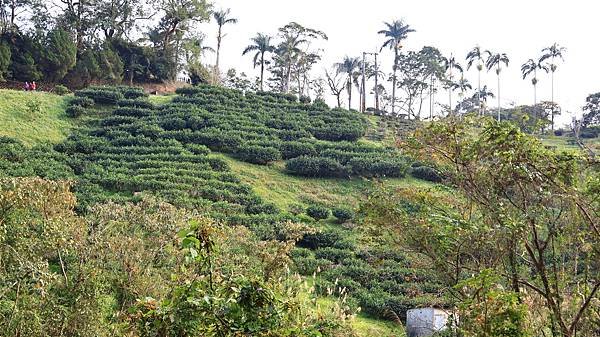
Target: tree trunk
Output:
[
  {"x": 262, "y": 70},
  {"x": 349, "y": 93},
  {"x": 552, "y": 114},
  {"x": 394, "y": 81},
  {"x": 479, "y": 92},
  {"x": 498, "y": 93}
]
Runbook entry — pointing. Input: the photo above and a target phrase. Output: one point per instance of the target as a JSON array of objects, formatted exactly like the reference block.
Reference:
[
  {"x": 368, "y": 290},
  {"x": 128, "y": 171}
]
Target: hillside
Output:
[
  {"x": 33, "y": 117},
  {"x": 117, "y": 152}
]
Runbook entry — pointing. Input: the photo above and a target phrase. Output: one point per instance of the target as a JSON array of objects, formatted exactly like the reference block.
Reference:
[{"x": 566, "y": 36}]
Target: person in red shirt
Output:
[{"x": 33, "y": 86}]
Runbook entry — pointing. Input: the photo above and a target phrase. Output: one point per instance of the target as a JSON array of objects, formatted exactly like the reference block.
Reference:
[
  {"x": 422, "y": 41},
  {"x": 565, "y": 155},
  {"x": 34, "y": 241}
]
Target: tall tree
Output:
[
  {"x": 463, "y": 85},
  {"x": 450, "y": 64},
  {"x": 550, "y": 56},
  {"x": 494, "y": 61},
  {"x": 116, "y": 18},
  {"x": 178, "y": 18},
  {"x": 349, "y": 66},
  {"x": 289, "y": 53},
  {"x": 395, "y": 33},
  {"x": 261, "y": 44},
  {"x": 530, "y": 68},
  {"x": 475, "y": 56},
  {"x": 336, "y": 85},
  {"x": 222, "y": 18}
]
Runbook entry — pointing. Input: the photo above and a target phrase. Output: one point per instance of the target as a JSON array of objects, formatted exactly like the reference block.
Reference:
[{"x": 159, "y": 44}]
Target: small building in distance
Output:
[{"x": 426, "y": 321}]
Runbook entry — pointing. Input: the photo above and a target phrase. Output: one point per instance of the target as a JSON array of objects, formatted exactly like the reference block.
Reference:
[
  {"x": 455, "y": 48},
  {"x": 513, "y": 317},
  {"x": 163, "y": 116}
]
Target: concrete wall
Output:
[{"x": 425, "y": 322}]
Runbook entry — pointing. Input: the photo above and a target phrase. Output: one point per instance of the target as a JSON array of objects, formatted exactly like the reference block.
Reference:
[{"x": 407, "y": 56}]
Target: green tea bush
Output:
[
  {"x": 85, "y": 102},
  {"x": 318, "y": 167},
  {"x": 318, "y": 212},
  {"x": 258, "y": 154},
  {"x": 296, "y": 149},
  {"x": 75, "y": 111},
  {"x": 136, "y": 103},
  {"x": 61, "y": 90},
  {"x": 426, "y": 173},
  {"x": 332, "y": 254},
  {"x": 101, "y": 96},
  {"x": 343, "y": 214}
]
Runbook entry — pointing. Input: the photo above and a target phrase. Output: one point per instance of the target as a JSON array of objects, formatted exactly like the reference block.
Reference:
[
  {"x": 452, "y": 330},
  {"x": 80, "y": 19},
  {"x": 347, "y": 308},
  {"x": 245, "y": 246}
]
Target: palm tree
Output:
[
  {"x": 464, "y": 85},
  {"x": 288, "y": 51},
  {"x": 476, "y": 56},
  {"x": 262, "y": 45},
  {"x": 222, "y": 17},
  {"x": 483, "y": 95},
  {"x": 348, "y": 66},
  {"x": 530, "y": 68},
  {"x": 495, "y": 60},
  {"x": 449, "y": 65},
  {"x": 395, "y": 33},
  {"x": 551, "y": 54}
]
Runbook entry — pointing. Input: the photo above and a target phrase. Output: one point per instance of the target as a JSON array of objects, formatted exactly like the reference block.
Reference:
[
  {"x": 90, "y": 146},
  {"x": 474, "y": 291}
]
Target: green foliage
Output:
[
  {"x": 101, "y": 95},
  {"x": 426, "y": 173},
  {"x": 490, "y": 310},
  {"x": 85, "y": 102},
  {"x": 60, "y": 54},
  {"x": 343, "y": 214},
  {"x": 318, "y": 212},
  {"x": 61, "y": 90},
  {"x": 316, "y": 167},
  {"x": 5, "y": 59},
  {"x": 75, "y": 111},
  {"x": 258, "y": 154}
]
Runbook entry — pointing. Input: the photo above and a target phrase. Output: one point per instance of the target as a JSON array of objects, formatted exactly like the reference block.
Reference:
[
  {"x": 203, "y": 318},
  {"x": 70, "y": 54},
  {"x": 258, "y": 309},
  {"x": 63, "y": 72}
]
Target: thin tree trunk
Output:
[
  {"x": 262, "y": 70},
  {"x": 349, "y": 89},
  {"x": 394, "y": 81},
  {"x": 498, "y": 94},
  {"x": 479, "y": 91},
  {"x": 552, "y": 97}
]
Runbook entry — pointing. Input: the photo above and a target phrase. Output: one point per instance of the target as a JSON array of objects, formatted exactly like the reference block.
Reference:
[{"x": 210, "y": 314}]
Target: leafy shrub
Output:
[
  {"x": 308, "y": 266},
  {"x": 136, "y": 103},
  {"x": 378, "y": 167},
  {"x": 198, "y": 149},
  {"x": 426, "y": 173},
  {"x": 316, "y": 167},
  {"x": 75, "y": 111},
  {"x": 338, "y": 133},
  {"x": 293, "y": 149},
  {"x": 318, "y": 212},
  {"x": 132, "y": 92},
  {"x": 327, "y": 238},
  {"x": 258, "y": 154},
  {"x": 61, "y": 90},
  {"x": 332, "y": 254},
  {"x": 101, "y": 96},
  {"x": 305, "y": 100},
  {"x": 85, "y": 102},
  {"x": 343, "y": 214}
]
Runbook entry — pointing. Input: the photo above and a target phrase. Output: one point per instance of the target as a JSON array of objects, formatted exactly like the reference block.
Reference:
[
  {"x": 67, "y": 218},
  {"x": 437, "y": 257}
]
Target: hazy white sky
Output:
[{"x": 520, "y": 28}]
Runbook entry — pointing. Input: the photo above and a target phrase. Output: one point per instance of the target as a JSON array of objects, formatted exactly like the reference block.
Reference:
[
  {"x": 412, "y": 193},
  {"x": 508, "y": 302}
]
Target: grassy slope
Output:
[
  {"x": 271, "y": 183},
  {"x": 17, "y": 120}
]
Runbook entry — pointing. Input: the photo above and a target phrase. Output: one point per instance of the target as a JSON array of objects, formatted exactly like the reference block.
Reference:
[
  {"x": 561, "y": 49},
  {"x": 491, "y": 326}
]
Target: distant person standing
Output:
[
  {"x": 27, "y": 86},
  {"x": 33, "y": 86}
]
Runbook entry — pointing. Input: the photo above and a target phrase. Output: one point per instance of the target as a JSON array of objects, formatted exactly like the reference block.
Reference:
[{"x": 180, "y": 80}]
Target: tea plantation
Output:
[{"x": 168, "y": 151}]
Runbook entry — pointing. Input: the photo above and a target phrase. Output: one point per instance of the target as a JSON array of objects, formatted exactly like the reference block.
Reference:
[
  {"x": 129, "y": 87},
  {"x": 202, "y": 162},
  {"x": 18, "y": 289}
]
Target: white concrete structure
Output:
[{"x": 426, "y": 321}]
